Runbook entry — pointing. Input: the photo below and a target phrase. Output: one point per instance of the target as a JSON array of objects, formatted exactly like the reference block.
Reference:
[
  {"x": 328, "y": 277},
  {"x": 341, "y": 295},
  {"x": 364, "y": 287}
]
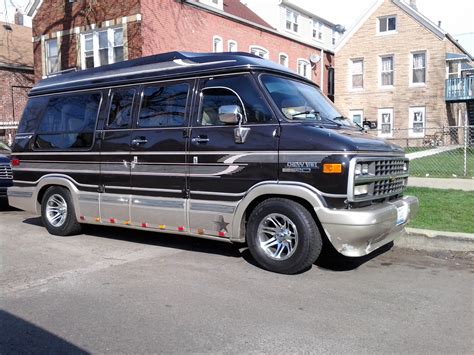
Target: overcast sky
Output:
[{"x": 456, "y": 16}]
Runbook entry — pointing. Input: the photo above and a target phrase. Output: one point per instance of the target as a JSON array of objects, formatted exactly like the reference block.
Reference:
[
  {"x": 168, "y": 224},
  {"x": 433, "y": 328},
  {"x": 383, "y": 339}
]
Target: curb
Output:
[{"x": 424, "y": 239}]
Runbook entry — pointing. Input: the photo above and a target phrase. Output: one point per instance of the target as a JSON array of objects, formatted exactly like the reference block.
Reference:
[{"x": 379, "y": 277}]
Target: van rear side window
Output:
[
  {"x": 68, "y": 122},
  {"x": 31, "y": 114}
]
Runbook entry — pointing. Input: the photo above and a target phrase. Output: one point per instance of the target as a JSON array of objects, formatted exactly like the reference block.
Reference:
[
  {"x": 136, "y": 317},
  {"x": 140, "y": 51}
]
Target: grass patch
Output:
[
  {"x": 443, "y": 210},
  {"x": 444, "y": 164}
]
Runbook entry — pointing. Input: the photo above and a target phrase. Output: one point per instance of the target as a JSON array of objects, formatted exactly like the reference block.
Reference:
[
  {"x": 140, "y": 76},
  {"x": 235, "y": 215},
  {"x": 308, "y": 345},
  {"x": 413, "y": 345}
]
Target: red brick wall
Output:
[
  {"x": 58, "y": 15},
  {"x": 11, "y": 109},
  {"x": 168, "y": 25}
]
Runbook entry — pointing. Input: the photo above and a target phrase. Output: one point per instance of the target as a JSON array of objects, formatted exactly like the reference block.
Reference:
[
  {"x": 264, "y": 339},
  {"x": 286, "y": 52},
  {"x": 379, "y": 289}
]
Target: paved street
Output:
[{"x": 119, "y": 291}]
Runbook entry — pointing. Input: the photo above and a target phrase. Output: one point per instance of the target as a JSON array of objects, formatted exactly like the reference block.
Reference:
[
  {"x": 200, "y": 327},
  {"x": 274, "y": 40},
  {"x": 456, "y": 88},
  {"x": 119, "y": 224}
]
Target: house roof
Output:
[
  {"x": 311, "y": 15},
  {"x": 456, "y": 57},
  {"x": 415, "y": 14},
  {"x": 16, "y": 50},
  {"x": 467, "y": 67},
  {"x": 236, "y": 8}
]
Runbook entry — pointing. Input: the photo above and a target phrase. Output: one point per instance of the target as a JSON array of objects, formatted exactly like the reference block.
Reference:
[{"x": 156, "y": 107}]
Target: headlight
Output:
[
  {"x": 361, "y": 169},
  {"x": 365, "y": 169},
  {"x": 361, "y": 190},
  {"x": 358, "y": 169}
]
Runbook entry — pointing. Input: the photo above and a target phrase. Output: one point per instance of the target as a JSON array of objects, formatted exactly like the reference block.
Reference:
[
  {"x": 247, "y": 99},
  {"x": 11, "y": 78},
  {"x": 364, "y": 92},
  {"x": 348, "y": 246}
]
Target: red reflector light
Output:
[
  {"x": 181, "y": 229},
  {"x": 144, "y": 225},
  {"x": 15, "y": 162}
]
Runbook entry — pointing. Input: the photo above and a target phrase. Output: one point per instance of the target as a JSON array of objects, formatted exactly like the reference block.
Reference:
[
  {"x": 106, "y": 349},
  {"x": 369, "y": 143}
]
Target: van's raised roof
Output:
[{"x": 161, "y": 66}]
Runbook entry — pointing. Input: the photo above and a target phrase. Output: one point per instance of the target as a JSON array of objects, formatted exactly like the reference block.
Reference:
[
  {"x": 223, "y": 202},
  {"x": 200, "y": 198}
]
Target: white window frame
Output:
[
  {"x": 217, "y": 44},
  {"x": 317, "y": 28},
  {"x": 457, "y": 72},
  {"x": 292, "y": 17},
  {"x": 386, "y": 18},
  {"x": 230, "y": 43},
  {"x": 381, "y": 85},
  {"x": 412, "y": 68},
  {"x": 308, "y": 66},
  {"x": 95, "y": 45},
  {"x": 360, "y": 113},
  {"x": 264, "y": 51},
  {"x": 48, "y": 57},
  {"x": 380, "y": 113},
  {"x": 411, "y": 121},
  {"x": 351, "y": 74},
  {"x": 287, "y": 59}
]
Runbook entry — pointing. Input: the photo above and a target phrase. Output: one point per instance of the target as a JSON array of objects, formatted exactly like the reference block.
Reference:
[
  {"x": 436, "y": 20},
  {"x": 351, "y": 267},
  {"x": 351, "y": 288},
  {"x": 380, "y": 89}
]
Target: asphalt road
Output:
[{"x": 119, "y": 291}]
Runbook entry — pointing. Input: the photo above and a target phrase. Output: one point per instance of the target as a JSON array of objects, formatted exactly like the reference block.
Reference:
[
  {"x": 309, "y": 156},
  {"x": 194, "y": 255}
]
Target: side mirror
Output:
[
  {"x": 369, "y": 124},
  {"x": 230, "y": 114}
]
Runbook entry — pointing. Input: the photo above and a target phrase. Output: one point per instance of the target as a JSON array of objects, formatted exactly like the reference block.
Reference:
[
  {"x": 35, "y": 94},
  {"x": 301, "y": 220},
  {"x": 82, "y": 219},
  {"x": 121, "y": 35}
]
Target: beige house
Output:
[{"x": 397, "y": 68}]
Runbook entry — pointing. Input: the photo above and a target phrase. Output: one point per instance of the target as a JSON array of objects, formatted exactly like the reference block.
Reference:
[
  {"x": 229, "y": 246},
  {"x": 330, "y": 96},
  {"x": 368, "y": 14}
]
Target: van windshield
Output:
[{"x": 302, "y": 102}]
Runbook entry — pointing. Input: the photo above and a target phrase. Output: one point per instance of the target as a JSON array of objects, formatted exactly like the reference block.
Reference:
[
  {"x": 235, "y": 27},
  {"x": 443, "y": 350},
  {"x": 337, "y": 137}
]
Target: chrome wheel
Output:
[
  {"x": 277, "y": 236},
  {"x": 56, "y": 210}
]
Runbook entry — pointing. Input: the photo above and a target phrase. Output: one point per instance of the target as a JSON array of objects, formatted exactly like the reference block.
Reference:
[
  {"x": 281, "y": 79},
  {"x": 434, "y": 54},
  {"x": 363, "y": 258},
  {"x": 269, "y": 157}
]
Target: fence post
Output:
[{"x": 465, "y": 145}]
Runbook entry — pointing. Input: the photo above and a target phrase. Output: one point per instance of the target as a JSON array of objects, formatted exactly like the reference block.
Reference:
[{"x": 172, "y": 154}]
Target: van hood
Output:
[{"x": 364, "y": 141}]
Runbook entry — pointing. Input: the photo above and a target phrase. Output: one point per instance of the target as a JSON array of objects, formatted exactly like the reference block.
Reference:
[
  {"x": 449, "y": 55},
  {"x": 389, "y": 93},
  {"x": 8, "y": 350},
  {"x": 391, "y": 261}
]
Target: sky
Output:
[{"x": 456, "y": 16}]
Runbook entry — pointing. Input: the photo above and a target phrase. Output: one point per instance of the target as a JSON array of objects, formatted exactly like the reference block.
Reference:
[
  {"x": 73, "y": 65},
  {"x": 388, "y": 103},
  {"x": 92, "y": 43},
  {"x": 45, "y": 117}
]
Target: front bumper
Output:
[{"x": 360, "y": 231}]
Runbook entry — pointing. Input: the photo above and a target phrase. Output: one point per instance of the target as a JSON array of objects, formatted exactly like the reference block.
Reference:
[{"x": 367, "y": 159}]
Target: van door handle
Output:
[
  {"x": 200, "y": 140},
  {"x": 139, "y": 141}
]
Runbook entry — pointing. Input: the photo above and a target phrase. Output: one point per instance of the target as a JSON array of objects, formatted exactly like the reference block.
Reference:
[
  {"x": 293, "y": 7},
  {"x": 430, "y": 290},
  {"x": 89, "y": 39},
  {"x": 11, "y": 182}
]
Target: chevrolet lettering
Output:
[{"x": 225, "y": 146}]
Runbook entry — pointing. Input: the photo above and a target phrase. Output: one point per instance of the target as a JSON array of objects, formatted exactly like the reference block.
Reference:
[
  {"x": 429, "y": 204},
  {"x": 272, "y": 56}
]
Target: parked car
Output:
[
  {"x": 225, "y": 146},
  {"x": 6, "y": 175}
]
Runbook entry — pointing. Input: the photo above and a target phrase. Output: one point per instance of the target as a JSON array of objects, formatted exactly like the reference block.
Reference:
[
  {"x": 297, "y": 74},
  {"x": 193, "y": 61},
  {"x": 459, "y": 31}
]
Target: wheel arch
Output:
[
  {"x": 49, "y": 181},
  {"x": 301, "y": 193}
]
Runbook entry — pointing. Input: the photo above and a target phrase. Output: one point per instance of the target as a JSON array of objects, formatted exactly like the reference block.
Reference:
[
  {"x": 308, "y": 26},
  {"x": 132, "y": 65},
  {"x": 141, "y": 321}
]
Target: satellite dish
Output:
[{"x": 314, "y": 58}]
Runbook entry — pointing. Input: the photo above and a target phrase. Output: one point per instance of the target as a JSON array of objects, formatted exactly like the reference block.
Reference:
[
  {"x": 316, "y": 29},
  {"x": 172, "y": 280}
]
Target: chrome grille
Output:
[
  {"x": 379, "y": 177},
  {"x": 389, "y": 167},
  {"x": 389, "y": 186},
  {"x": 6, "y": 171}
]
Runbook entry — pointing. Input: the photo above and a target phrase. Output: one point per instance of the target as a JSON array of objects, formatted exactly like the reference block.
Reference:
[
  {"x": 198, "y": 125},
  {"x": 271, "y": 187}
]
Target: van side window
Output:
[
  {"x": 121, "y": 105},
  {"x": 68, "y": 122},
  {"x": 163, "y": 105},
  {"x": 31, "y": 114},
  {"x": 256, "y": 108},
  {"x": 213, "y": 99}
]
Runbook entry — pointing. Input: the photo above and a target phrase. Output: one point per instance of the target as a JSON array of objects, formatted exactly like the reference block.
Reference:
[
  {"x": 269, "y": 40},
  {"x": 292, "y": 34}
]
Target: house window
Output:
[
  {"x": 386, "y": 71},
  {"x": 232, "y": 46},
  {"x": 357, "y": 73},
  {"x": 357, "y": 116},
  {"x": 283, "y": 59},
  {"x": 453, "y": 70},
  {"x": 387, "y": 24},
  {"x": 52, "y": 56},
  {"x": 317, "y": 30},
  {"x": 418, "y": 68},
  {"x": 217, "y": 45},
  {"x": 385, "y": 122},
  {"x": 102, "y": 47},
  {"x": 304, "y": 68},
  {"x": 291, "y": 20},
  {"x": 259, "y": 51},
  {"x": 417, "y": 122}
]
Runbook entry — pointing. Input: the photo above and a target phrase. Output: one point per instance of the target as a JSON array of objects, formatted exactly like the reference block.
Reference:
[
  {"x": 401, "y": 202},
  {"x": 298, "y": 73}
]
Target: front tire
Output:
[
  {"x": 283, "y": 237},
  {"x": 57, "y": 212}
]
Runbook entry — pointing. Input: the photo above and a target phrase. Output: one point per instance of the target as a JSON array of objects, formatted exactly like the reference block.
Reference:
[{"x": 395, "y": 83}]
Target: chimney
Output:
[
  {"x": 18, "y": 18},
  {"x": 413, "y": 4}
]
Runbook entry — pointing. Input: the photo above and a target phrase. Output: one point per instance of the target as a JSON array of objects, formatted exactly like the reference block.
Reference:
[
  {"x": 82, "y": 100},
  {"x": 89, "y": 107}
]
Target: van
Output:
[{"x": 225, "y": 146}]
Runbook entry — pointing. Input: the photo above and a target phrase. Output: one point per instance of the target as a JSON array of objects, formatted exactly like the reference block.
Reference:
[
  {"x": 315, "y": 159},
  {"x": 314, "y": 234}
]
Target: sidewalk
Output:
[{"x": 437, "y": 183}]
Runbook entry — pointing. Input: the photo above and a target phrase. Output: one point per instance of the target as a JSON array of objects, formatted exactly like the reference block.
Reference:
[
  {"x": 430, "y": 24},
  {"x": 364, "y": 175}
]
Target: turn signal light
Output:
[{"x": 332, "y": 168}]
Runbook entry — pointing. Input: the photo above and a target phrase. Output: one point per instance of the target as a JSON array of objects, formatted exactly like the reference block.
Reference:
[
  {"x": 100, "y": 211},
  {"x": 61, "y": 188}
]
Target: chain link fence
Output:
[{"x": 442, "y": 152}]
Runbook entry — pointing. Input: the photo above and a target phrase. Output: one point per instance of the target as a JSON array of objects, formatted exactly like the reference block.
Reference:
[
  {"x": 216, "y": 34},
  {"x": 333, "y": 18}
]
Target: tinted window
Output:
[
  {"x": 163, "y": 105},
  {"x": 32, "y": 114},
  {"x": 121, "y": 104},
  {"x": 68, "y": 122},
  {"x": 256, "y": 108},
  {"x": 212, "y": 100}
]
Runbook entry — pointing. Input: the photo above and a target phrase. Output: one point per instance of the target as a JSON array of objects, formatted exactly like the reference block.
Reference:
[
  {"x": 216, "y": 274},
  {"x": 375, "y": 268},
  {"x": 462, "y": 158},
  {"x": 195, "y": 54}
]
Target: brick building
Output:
[
  {"x": 395, "y": 67},
  {"x": 71, "y": 35},
  {"x": 16, "y": 76}
]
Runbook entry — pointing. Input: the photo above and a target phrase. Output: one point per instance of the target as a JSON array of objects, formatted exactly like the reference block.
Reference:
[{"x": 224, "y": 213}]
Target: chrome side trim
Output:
[
  {"x": 211, "y": 193},
  {"x": 55, "y": 176},
  {"x": 138, "y": 201},
  {"x": 16, "y": 193},
  {"x": 208, "y": 207}
]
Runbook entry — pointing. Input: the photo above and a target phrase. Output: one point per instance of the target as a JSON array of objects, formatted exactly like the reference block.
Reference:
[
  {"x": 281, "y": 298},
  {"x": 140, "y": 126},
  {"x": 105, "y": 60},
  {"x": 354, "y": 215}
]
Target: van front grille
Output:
[{"x": 6, "y": 172}]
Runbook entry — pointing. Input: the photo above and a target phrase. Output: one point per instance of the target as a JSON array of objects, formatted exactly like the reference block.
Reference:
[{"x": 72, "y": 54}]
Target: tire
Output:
[
  {"x": 283, "y": 236},
  {"x": 57, "y": 212}
]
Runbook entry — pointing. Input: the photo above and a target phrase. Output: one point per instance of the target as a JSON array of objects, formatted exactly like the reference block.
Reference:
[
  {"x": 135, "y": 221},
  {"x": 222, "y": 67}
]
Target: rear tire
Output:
[
  {"x": 283, "y": 236},
  {"x": 57, "y": 212}
]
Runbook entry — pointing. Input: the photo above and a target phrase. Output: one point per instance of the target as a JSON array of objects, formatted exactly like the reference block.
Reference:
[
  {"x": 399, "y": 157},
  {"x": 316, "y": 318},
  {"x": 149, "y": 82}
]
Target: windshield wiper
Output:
[{"x": 305, "y": 113}]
